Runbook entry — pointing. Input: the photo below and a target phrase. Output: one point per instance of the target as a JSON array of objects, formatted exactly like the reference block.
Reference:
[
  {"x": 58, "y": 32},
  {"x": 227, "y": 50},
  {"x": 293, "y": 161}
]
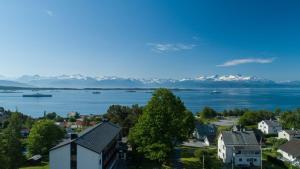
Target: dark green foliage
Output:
[
  {"x": 11, "y": 145},
  {"x": 200, "y": 153},
  {"x": 207, "y": 113},
  {"x": 164, "y": 123},
  {"x": 234, "y": 112},
  {"x": 290, "y": 119},
  {"x": 276, "y": 142},
  {"x": 253, "y": 117},
  {"x": 43, "y": 136},
  {"x": 125, "y": 116},
  {"x": 276, "y": 161}
]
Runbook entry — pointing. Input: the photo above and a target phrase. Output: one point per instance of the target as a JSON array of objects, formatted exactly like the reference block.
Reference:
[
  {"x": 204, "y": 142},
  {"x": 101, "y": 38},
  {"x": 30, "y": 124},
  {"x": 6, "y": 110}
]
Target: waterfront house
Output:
[
  {"x": 94, "y": 148},
  {"x": 269, "y": 126},
  {"x": 289, "y": 134},
  {"x": 239, "y": 148},
  {"x": 205, "y": 133},
  {"x": 290, "y": 151}
]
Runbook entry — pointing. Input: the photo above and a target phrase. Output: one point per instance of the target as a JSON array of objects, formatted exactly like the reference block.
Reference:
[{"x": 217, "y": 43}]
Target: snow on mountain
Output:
[{"x": 82, "y": 81}]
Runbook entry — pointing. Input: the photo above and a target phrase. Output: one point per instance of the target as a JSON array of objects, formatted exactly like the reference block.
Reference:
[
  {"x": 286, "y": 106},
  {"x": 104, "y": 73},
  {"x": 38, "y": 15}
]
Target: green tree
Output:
[
  {"x": 125, "y": 116},
  {"x": 164, "y": 123},
  {"x": 43, "y": 136},
  {"x": 51, "y": 116},
  {"x": 253, "y": 117},
  {"x": 290, "y": 119},
  {"x": 207, "y": 113},
  {"x": 11, "y": 143},
  {"x": 204, "y": 155}
]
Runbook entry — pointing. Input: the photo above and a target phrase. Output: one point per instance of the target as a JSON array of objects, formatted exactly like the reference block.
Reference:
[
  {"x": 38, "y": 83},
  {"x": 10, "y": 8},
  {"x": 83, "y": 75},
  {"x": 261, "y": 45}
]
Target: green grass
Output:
[{"x": 43, "y": 166}]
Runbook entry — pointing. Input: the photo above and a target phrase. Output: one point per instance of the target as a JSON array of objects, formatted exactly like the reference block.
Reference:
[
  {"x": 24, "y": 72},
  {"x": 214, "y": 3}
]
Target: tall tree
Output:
[
  {"x": 12, "y": 146},
  {"x": 43, "y": 136},
  {"x": 164, "y": 123},
  {"x": 125, "y": 116}
]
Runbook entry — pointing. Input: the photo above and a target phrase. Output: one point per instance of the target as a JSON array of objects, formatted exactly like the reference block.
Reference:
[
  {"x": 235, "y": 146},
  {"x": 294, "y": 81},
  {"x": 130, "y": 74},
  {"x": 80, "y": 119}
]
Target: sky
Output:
[{"x": 151, "y": 38}]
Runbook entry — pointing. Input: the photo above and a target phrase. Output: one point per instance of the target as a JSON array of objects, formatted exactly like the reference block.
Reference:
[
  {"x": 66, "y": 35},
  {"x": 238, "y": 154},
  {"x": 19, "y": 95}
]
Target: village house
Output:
[
  {"x": 95, "y": 148},
  {"x": 290, "y": 151},
  {"x": 205, "y": 133},
  {"x": 269, "y": 127},
  {"x": 289, "y": 134},
  {"x": 239, "y": 148}
]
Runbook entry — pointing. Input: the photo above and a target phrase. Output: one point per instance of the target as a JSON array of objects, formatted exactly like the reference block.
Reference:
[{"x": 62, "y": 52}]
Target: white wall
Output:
[
  {"x": 255, "y": 159},
  {"x": 87, "y": 159},
  {"x": 283, "y": 135},
  {"x": 60, "y": 157},
  {"x": 286, "y": 155}
]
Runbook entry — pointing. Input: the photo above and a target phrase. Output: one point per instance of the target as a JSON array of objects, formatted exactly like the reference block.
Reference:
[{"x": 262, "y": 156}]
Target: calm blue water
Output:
[{"x": 84, "y": 102}]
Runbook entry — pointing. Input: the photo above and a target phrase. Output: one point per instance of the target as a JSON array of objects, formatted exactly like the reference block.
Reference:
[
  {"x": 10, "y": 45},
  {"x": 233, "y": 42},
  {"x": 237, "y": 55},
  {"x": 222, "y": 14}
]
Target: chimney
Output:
[{"x": 74, "y": 136}]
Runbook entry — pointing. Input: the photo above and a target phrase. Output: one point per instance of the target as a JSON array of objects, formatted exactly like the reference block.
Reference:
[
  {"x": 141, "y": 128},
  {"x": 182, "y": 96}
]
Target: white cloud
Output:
[
  {"x": 165, "y": 47},
  {"x": 49, "y": 12},
  {"x": 246, "y": 61}
]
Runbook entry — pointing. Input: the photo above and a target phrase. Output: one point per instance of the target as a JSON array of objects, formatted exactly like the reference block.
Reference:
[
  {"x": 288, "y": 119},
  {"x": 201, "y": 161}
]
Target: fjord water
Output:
[{"x": 85, "y": 102}]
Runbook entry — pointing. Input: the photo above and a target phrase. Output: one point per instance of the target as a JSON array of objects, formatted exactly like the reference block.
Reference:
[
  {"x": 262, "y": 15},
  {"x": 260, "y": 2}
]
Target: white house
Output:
[
  {"x": 289, "y": 134},
  {"x": 290, "y": 151},
  {"x": 240, "y": 148},
  {"x": 269, "y": 127},
  {"x": 95, "y": 148}
]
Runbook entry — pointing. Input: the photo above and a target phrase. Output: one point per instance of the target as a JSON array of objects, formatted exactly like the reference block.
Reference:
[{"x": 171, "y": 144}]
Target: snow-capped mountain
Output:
[{"x": 81, "y": 81}]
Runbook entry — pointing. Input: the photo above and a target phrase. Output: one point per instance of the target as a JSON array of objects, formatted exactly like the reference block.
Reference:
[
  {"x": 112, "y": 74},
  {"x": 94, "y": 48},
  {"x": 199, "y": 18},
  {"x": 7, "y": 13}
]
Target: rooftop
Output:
[
  {"x": 292, "y": 148},
  {"x": 95, "y": 138},
  {"x": 239, "y": 138},
  {"x": 272, "y": 123}
]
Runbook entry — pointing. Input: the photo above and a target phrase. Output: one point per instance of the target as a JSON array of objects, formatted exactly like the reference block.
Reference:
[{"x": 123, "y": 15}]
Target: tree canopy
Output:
[
  {"x": 43, "y": 136},
  {"x": 253, "y": 117},
  {"x": 11, "y": 146},
  {"x": 164, "y": 123},
  {"x": 125, "y": 116},
  {"x": 207, "y": 113},
  {"x": 290, "y": 119}
]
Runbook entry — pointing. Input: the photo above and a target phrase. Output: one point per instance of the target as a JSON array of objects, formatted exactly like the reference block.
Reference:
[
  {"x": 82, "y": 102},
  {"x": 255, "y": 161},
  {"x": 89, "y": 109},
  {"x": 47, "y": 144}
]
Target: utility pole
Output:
[
  {"x": 261, "y": 161},
  {"x": 203, "y": 161}
]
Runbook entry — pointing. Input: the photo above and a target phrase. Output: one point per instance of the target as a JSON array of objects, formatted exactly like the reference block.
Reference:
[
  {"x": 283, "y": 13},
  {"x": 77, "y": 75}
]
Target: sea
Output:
[{"x": 87, "y": 102}]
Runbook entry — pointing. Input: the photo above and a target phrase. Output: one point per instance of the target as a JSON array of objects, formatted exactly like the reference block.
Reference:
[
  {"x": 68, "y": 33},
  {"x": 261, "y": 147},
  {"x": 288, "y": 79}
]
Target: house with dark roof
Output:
[
  {"x": 289, "y": 134},
  {"x": 269, "y": 126},
  {"x": 205, "y": 133},
  {"x": 239, "y": 148},
  {"x": 290, "y": 151},
  {"x": 94, "y": 148}
]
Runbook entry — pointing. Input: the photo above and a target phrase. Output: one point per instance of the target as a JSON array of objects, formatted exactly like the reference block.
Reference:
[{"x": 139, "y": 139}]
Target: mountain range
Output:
[{"x": 81, "y": 81}]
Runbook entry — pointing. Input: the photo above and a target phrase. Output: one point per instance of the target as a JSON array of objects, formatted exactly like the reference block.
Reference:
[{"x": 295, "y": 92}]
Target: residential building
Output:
[
  {"x": 289, "y": 134},
  {"x": 269, "y": 126},
  {"x": 95, "y": 148},
  {"x": 290, "y": 151},
  {"x": 239, "y": 148},
  {"x": 205, "y": 133}
]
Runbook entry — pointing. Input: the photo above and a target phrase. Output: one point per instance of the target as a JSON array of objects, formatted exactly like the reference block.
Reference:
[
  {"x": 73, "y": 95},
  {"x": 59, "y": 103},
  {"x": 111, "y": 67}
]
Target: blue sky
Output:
[{"x": 151, "y": 38}]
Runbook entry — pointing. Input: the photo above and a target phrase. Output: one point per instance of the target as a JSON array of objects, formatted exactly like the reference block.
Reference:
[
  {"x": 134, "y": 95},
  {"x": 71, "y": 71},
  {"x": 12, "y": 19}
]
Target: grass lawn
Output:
[
  {"x": 43, "y": 166},
  {"x": 191, "y": 162}
]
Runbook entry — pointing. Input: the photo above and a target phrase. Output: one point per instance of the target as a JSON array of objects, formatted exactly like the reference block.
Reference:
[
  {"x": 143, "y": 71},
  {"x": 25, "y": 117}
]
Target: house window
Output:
[
  {"x": 255, "y": 159},
  {"x": 240, "y": 159}
]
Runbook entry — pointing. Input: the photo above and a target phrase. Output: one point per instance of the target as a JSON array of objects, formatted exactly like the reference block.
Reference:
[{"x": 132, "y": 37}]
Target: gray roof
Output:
[
  {"x": 272, "y": 123},
  {"x": 95, "y": 138},
  {"x": 239, "y": 138},
  {"x": 205, "y": 129},
  {"x": 292, "y": 148}
]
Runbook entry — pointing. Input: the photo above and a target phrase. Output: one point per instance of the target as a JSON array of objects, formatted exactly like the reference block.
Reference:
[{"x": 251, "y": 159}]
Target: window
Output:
[
  {"x": 240, "y": 159},
  {"x": 255, "y": 159}
]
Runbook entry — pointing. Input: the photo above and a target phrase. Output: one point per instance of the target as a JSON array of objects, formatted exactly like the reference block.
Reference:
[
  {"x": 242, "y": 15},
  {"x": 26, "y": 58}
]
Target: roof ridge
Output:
[{"x": 94, "y": 127}]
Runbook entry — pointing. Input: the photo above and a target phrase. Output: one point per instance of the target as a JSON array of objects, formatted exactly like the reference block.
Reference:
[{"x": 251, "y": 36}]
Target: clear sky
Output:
[{"x": 151, "y": 38}]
